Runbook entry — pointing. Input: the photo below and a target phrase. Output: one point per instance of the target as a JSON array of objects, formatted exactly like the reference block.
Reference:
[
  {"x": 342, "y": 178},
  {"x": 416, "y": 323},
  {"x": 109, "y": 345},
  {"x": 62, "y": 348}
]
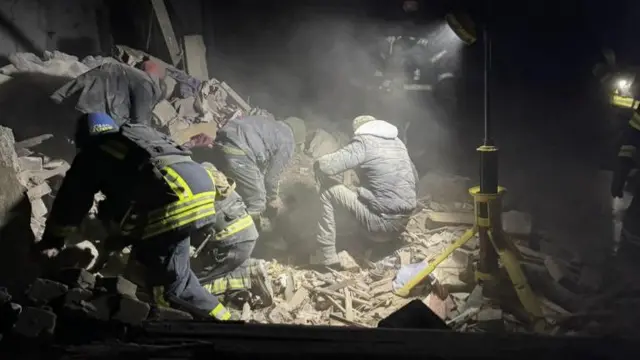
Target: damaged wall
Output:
[{"x": 38, "y": 25}]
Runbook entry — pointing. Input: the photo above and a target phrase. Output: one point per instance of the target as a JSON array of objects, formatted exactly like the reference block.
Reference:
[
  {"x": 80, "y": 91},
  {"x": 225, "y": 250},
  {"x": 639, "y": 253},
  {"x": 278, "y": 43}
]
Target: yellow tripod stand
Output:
[{"x": 493, "y": 244}]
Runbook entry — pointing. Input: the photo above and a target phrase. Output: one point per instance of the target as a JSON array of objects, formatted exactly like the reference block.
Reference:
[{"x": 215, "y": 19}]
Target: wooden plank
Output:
[
  {"x": 195, "y": 57},
  {"x": 345, "y": 321},
  {"x": 348, "y": 305},
  {"x": 47, "y": 174},
  {"x": 37, "y": 140},
  {"x": 340, "y": 285},
  {"x": 243, "y": 104},
  {"x": 160, "y": 9},
  {"x": 438, "y": 219},
  {"x": 339, "y": 296}
]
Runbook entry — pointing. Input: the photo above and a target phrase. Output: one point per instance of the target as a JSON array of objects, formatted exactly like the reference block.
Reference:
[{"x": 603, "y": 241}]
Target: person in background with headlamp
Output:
[{"x": 625, "y": 163}]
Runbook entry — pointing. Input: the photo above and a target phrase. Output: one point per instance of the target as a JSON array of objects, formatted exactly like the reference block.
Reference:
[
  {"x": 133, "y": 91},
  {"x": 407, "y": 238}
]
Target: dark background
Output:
[{"x": 551, "y": 120}]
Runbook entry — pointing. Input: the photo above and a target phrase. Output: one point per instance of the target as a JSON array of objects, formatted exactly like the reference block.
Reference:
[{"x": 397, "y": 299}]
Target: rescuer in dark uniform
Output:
[
  {"x": 229, "y": 270},
  {"x": 630, "y": 236},
  {"x": 122, "y": 91},
  {"x": 156, "y": 194}
]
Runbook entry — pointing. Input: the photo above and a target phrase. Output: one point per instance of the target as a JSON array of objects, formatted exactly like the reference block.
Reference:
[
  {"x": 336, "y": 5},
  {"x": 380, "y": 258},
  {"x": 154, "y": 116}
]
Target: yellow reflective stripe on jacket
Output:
[
  {"x": 635, "y": 121},
  {"x": 232, "y": 150},
  {"x": 175, "y": 208},
  {"x": 624, "y": 101},
  {"x": 235, "y": 227},
  {"x": 627, "y": 151},
  {"x": 158, "y": 297},
  {"x": 62, "y": 231},
  {"x": 220, "y": 312},
  {"x": 116, "y": 149},
  {"x": 178, "y": 221},
  {"x": 176, "y": 183},
  {"x": 222, "y": 285}
]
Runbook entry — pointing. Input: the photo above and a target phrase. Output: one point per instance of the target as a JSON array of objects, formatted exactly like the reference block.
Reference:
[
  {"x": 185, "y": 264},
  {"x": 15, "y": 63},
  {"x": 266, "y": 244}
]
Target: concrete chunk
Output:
[
  {"x": 489, "y": 314},
  {"x": 76, "y": 278},
  {"x": 117, "y": 285},
  {"x": 30, "y": 163},
  {"x": 43, "y": 291},
  {"x": 35, "y": 322},
  {"x": 76, "y": 303},
  {"x": 131, "y": 311},
  {"x": 347, "y": 261},
  {"x": 38, "y": 208},
  {"x": 39, "y": 191}
]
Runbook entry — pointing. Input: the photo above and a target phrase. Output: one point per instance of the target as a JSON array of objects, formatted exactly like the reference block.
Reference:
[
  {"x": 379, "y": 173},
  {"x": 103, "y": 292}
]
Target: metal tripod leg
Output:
[
  {"x": 496, "y": 246},
  {"x": 500, "y": 246},
  {"x": 422, "y": 275}
]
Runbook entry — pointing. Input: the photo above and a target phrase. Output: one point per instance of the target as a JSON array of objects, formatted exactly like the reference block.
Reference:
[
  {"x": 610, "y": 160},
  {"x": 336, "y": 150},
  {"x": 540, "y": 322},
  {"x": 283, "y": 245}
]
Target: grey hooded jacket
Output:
[
  {"x": 387, "y": 175},
  {"x": 122, "y": 91},
  {"x": 268, "y": 143}
]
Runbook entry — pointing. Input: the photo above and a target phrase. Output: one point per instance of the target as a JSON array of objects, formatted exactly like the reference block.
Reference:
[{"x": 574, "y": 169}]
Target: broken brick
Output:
[
  {"x": 35, "y": 322},
  {"x": 131, "y": 311},
  {"x": 117, "y": 285},
  {"x": 76, "y": 278},
  {"x": 76, "y": 296},
  {"x": 43, "y": 291}
]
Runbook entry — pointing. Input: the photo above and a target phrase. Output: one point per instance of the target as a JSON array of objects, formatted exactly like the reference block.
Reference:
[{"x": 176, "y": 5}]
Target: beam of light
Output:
[{"x": 445, "y": 38}]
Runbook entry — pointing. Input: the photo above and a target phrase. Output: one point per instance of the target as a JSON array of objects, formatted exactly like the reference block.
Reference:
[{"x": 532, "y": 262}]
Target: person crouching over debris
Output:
[
  {"x": 157, "y": 194},
  {"x": 254, "y": 151},
  {"x": 226, "y": 250},
  {"x": 387, "y": 197},
  {"x": 122, "y": 91}
]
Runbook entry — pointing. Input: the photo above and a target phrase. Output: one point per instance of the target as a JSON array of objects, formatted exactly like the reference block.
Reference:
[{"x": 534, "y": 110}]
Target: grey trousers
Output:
[
  {"x": 341, "y": 196},
  {"x": 248, "y": 177}
]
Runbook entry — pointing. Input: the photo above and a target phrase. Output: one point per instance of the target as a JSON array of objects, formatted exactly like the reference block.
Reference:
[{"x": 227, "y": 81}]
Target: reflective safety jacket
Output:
[
  {"x": 623, "y": 101},
  {"x": 630, "y": 140},
  {"x": 151, "y": 186},
  {"x": 232, "y": 222}
]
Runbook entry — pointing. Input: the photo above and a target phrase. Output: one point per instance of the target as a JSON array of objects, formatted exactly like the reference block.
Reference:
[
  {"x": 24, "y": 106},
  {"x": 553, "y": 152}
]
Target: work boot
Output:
[
  {"x": 260, "y": 283},
  {"x": 321, "y": 263}
]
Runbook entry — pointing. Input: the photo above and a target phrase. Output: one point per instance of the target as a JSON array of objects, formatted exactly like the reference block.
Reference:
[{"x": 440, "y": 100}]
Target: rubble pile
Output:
[
  {"x": 363, "y": 294},
  {"x": 573, "y": 295},
  {"x": 53, "y": 307},
  {"x": 191, "y": 106}
]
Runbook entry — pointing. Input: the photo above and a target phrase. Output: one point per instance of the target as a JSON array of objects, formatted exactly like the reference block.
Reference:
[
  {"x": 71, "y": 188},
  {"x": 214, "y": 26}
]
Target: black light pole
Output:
[{"x": 488, "y": 166}]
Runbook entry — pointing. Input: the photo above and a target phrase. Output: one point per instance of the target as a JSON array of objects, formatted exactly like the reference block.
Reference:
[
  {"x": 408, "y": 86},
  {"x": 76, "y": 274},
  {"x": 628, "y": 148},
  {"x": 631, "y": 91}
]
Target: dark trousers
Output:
[{"x": 168, "y": 271}]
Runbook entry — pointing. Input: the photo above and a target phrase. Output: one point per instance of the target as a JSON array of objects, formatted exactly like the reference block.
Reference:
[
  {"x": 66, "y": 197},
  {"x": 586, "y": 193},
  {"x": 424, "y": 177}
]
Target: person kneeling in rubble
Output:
[
  {"x": 157, "y": 195},
  {"x": 254, "y": 151},
  {"x": 387, "y": 197},
  {"x": 229, "y": 271},
  {"x": 122, "y": 91}
]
